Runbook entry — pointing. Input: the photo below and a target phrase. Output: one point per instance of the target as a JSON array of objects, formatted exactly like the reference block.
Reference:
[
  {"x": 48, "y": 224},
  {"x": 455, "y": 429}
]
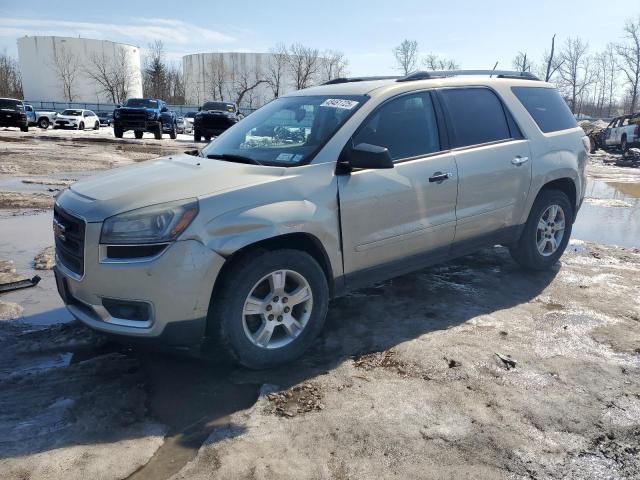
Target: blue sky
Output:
[{"x": 475, "y": 33}]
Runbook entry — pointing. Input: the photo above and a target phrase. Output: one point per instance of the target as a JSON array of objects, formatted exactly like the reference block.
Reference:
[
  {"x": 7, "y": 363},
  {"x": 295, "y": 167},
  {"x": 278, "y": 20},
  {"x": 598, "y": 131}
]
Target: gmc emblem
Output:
[{"x": 59, "y": 230}]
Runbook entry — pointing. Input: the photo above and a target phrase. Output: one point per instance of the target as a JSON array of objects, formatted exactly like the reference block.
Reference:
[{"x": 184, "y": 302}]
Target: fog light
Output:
[{"x": 127, "y": 309}]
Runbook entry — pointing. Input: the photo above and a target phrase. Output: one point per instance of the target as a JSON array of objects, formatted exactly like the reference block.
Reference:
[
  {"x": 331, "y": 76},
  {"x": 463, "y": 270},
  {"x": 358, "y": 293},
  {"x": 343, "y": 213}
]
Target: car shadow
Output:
[{"x": 193, "y": 397}]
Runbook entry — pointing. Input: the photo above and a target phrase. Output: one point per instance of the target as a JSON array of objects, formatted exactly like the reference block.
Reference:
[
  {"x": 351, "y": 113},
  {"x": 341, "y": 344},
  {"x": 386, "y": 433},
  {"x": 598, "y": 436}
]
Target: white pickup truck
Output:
[
  {"x": 41, "y": 119},
  {"x": 622, "y": 132}
]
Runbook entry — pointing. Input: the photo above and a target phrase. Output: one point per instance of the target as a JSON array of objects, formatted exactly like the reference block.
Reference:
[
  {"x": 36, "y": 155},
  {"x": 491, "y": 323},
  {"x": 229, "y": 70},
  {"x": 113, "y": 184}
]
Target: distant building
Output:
[
  {"x": 221, "y": 75},
  {"x": 65, "y": 69}
]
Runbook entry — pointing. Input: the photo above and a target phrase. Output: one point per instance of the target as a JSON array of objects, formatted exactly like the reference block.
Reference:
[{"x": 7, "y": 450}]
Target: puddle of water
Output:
[
  {"x": 612, "y": 225},
  {"x": 211, "y": 398},
  {"x": 21, "y": 239}
]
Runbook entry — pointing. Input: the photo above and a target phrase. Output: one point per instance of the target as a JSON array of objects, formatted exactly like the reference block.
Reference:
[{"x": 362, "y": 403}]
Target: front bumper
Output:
[
  {"x": 141, "y": 125},
  {"x": 176, "y": 284},
  {"x": 12, "y": 122}
]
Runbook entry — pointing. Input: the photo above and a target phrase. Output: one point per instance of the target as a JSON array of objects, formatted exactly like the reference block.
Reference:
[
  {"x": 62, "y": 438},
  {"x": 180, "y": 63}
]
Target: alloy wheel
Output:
[
  {"x": 277, "y": 309},
  {"x": 550, "y": 231}
]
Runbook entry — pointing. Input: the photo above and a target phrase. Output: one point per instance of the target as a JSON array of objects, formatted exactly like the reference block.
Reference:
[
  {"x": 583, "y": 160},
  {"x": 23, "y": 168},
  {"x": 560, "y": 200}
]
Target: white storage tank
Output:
[{"x": 68, "y": 69}]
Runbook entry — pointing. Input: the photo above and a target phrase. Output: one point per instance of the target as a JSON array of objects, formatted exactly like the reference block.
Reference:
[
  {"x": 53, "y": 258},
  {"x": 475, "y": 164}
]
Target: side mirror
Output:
[
  {"x": 199, "y": 109},
  {"x": 164, "y": 109},
  {"x": 365, "y": 155}
]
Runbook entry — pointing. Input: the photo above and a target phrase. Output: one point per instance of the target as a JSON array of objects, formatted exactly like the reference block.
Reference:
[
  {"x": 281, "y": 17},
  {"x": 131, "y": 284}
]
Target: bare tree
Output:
[
  {"x": 629, "y": 54},
  {"x": 333, "y": 64},
  {"x": 154, "y": 82},
  {"x": 243, "y": 78},
  {"x": 612, "y": 73},
  {"x": 113, "y": 74},
  {"x": 551, "y": 61},
  {"x": 65, "y": 65},
  {"x": 575, "y": 70},
  {"x": 434, "y": 62},
  {"x": 10, "y": 78},
  {"x": 303, "y": 63},
  {"x": 276, "y": 68},
  {"x": 522, "y": 63},
  {"x": 217, "y": 77},
  {"x": 406, "y": 55},
  {"x": 176, "y": 85}
]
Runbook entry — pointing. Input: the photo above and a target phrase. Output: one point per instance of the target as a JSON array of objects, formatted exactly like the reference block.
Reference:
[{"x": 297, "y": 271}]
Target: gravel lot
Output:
[{"x": 473, "y": 368}]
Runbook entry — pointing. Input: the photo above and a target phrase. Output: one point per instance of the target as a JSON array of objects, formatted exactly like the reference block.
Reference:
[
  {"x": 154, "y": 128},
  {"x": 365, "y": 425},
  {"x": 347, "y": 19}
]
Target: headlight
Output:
[
  {"x": 154, "y": 224},
  {"x": 151, "y": 115}
]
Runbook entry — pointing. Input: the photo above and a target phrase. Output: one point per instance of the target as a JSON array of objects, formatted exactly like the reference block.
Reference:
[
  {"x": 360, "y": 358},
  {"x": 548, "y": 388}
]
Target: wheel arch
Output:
[{"x": 567, "y": 186}]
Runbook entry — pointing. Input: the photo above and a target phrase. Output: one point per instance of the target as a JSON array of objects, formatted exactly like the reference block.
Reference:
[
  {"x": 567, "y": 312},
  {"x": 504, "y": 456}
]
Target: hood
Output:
[
  {"x": 68, "y": 117},
  {"x": 163, "y": 180}
]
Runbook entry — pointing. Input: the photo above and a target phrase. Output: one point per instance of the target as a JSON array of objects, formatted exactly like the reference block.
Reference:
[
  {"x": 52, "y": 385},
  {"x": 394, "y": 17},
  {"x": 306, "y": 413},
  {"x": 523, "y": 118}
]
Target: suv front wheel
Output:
[
  {"x": 270, "y": 308},
  {"x": 546, "y": 233}
]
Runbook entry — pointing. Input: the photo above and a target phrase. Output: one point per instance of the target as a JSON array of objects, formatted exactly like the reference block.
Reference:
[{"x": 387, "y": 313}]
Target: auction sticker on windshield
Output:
[{"x": 339, "y": 103}]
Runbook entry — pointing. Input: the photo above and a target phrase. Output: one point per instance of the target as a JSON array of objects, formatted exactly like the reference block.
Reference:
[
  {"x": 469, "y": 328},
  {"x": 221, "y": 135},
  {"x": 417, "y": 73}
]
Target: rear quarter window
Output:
[
  {"x": 476, "y": 116},
  {"x": 546, "y": 107}
]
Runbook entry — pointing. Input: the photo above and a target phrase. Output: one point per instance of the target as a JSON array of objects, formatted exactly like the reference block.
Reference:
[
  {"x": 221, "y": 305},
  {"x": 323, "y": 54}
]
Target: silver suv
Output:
[{"x": 317, "y": 193}]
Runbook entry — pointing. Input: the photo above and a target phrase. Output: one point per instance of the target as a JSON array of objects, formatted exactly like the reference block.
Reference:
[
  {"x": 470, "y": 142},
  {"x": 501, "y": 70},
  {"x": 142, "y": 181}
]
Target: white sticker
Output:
[
  {"x": 284, "y": 157},
  {"x": 339, "y": 103}
]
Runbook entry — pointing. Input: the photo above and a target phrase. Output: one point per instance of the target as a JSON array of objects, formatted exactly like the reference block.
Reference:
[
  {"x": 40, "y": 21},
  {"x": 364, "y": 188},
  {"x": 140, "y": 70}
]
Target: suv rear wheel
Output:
[
  {"x": 546, "y": 233},
  {"x": 196, "y": 135},
  {"x": 270, "y": 308},
  {"x": 158, "y": 132},
  {"x": 173, "y": 134}
]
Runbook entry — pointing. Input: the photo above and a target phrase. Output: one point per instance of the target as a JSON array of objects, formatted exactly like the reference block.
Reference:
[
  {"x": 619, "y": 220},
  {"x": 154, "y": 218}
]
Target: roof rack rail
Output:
[
  {"x": 425, "y": 75},
  {"x": 358, "y": 79}
]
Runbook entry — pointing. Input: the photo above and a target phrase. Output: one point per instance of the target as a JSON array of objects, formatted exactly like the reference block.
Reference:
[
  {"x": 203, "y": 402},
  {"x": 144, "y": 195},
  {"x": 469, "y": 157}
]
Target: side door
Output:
[
  {"x": 494, "y": 165},
  {"x": 395, "y": 219}
]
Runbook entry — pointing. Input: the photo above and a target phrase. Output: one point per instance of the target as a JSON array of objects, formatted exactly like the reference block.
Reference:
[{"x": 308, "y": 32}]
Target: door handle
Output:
[
  {"x": 439, "y": 177},
  {"x": 519, "y": 161}
]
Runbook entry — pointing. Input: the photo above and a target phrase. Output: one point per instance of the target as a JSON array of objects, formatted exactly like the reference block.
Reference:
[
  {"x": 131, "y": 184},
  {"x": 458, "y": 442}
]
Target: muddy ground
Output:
[{"x": 471, "y": 369}]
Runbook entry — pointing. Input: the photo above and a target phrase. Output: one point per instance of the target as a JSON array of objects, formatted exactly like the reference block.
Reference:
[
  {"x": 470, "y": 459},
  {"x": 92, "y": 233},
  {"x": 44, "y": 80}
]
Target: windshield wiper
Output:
[{"x": 234, "y": 158}]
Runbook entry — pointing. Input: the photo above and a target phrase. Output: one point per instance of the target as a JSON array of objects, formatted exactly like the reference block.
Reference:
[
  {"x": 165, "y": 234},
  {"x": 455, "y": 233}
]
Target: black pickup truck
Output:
[
  {"x": 12, "y": 114},
  {"x": 213, "y": 118}
]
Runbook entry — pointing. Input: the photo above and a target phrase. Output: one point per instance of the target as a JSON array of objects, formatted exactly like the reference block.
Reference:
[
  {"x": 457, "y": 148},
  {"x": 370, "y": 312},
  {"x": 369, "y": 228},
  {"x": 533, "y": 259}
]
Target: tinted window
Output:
[
  {"x": 546, "y": 106},
  {"x": 219, "y": 106},
  {"x": 476, "y": 116},
  {"x": 406, "y": 126},
  {"x": 141, "y": 102},
  {"x": 10, "y": 104}
]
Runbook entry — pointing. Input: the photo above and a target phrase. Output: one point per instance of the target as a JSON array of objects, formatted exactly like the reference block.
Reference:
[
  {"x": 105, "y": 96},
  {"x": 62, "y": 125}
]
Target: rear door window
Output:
[
  {"x": 406, "y": 126},
  {"x": 475, "y": 115},
  {"x": 546, "y": 107}
]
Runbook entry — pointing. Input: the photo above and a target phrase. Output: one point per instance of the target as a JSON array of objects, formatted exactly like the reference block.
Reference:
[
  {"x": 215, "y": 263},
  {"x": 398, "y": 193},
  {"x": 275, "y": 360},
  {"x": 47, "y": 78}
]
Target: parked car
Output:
[
  {"x": 189, "y": 118},
  {"x": 40, "y": 118},
  {"x": 622, "y": 132},
  {"x": 12, "y": 114},
  {"x": 213, "y": 118},
  {"x": 144, "y": 115},
  {"x": 77, "y": 118},
  {"x": 106, "y": 118},
  {"x": 247, "y": 240},
  {"x": 183, "y": 126}
]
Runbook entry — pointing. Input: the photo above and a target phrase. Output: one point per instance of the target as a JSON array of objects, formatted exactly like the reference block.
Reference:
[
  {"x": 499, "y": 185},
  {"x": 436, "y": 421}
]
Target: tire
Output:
[
  {"x": 526, "y": 251},
  {"x": 96, "y": 126},
  {"x": 158, "y": 132},
  {"x": 138, "y": 134},
  {"x": 43, "y": 123},
  {"x": 624, "y": 146},
  {"x": 232, "y": 329},
  {"x": 197, "y": 136},
  {"x": 81, "y": 126},
  {"x": 207, "y": 138},
  {"x": 25, "y": 128},
  {"x": 173, "y": 134},
  {"x": 118, "y": 132}
]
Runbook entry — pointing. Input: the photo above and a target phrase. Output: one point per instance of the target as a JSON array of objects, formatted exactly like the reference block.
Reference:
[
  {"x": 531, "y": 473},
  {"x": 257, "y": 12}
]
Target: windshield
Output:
[
  {"x": 141, "y": 102},
  {"x": 74, "y": 113},
  {"x": 10, "y": 104},
  {"x": 219, "y": 106},
  {"x": 288, "y": 131},
  {"x": 191, "y": 114}
]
